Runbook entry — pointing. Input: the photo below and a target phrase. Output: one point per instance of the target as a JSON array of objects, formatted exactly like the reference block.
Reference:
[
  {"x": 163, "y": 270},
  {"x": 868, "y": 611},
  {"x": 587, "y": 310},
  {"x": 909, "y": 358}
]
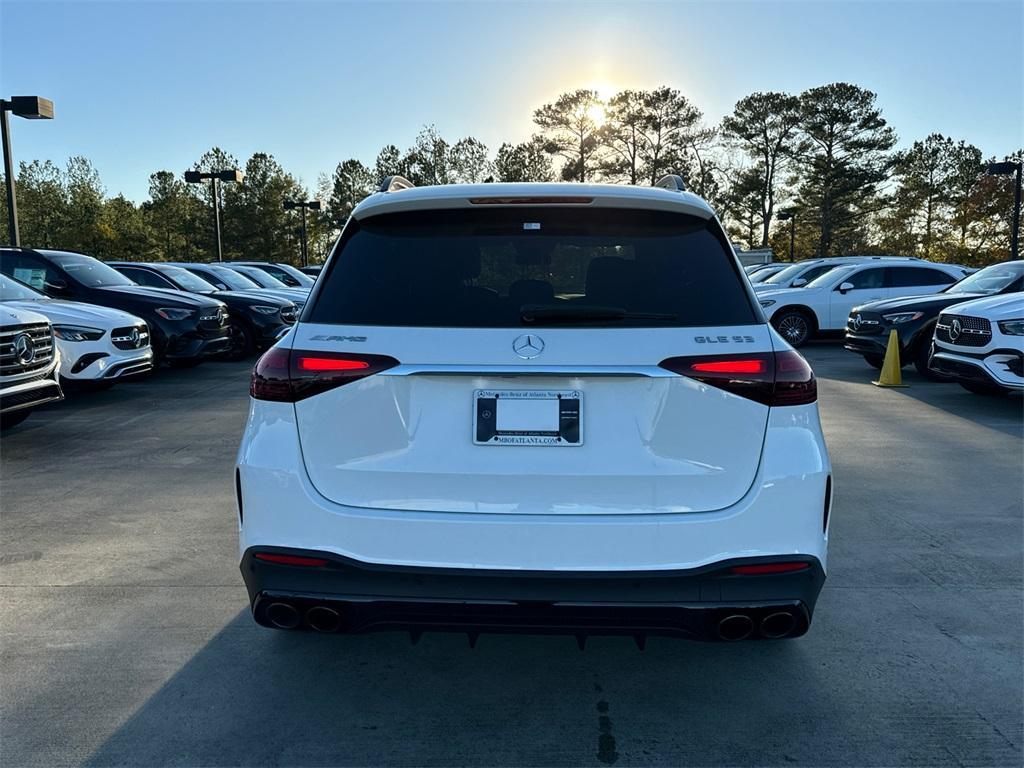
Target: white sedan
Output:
[{"x": 97, "y": 345}]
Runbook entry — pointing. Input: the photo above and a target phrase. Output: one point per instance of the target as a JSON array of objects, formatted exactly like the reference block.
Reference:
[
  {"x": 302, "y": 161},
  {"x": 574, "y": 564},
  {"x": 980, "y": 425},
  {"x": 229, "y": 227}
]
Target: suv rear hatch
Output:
[{"x": 447, "y": 357}]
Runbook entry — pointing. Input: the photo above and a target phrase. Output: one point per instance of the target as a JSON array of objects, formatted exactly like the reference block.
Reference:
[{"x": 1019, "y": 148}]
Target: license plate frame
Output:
[{"x": 533, "y": 417}]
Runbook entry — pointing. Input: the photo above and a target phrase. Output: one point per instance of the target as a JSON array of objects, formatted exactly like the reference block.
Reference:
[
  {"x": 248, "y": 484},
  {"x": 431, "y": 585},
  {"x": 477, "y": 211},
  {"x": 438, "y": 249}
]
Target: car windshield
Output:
[
  {"x": 514, "y": 267},
  {"x": 785, "y": 275},
  {"x": 304, "y": 280},
  {"x": 990, "y": 280},
  {"x": 258, "y": 276},
  {"x": 88, "y": 271},
  {"x": 187, "y": 280},
  {"x": 764, "y": 274},
  {"x": 233, "y": 280},
  {"x": 832, "y": 276},
  {"x": 12, "y": 290}
]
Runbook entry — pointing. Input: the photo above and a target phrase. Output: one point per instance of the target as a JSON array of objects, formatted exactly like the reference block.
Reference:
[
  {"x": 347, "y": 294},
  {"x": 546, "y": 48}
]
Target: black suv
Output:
[
  {"x": 185, "y": 328},
  {"x": 914, "y": 317},
  {"x": 256, "y": 321}
]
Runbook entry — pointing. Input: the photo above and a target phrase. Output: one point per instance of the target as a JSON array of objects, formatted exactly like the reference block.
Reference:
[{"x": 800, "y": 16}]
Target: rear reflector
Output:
[
  {"x": 310, "y": 562},
  {"x": 290, "y": 375},
  {"x": 764, "y": 568},
  {"x": 771, "y": 378}
]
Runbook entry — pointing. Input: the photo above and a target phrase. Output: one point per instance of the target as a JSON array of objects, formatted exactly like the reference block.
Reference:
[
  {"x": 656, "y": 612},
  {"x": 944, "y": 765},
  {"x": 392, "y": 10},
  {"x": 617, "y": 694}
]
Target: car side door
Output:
[
  {"x": 858, "y": 287},
  {"x": 917, "y": 280}
]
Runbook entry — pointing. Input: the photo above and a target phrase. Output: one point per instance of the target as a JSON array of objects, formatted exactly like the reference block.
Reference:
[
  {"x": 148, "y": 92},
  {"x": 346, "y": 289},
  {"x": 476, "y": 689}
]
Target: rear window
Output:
[{"x": 514, "y": 267}]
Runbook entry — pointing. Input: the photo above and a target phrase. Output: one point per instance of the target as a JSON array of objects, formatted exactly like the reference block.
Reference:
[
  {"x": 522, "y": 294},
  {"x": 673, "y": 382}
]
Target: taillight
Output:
[
  {"x": 779, "y": 378},
  {"x": 289, "y": 375},
  {"x": 761, "y": 569},
  {"x": 308, "y": 562}
]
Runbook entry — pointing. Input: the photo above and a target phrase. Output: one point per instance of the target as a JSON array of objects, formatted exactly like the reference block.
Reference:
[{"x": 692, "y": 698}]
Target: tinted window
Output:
[
  {"x": 784, "y": 276},
  {"x": 258, "y": 276},
  {"x": 29, "y": 269},
  {"x": 144, "y": 277},
  {"x": 901, "y": 277},
  {"x": 185, "y": 280},
  {"x": 486, "y": 268},
  {"x": 818, "y": 271},
  {"x": 867, "y": 278},
  {"x": 998, "y": 278}
]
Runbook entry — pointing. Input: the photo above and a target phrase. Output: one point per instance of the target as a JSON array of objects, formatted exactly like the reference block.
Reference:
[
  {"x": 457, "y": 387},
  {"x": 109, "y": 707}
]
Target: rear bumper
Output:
[{"x": 344, "y": 595}]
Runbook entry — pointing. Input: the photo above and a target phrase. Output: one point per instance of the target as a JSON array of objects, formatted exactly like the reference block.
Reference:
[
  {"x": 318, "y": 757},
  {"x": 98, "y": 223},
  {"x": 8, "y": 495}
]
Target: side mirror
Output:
[
  {"x": 798, "y": 283},
  {"x": 57, "y": 285},
  {"x": 844, "y": 287}
]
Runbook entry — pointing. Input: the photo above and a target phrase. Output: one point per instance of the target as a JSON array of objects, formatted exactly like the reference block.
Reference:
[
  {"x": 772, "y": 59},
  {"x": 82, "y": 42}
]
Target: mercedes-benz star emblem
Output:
[
  {"x": 954, "y": 330},
  {"x": 24, "y": 349},
  {"x": 528, "y": 346},
  {"x": 134, "y": 336},
  {"x": 856, "y": 322}
]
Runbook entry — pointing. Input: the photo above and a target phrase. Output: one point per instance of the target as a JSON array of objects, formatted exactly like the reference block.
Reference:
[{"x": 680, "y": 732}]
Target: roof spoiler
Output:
[
  {"x": 672, "y": 182},
  {"x": 395, "y": 184}
]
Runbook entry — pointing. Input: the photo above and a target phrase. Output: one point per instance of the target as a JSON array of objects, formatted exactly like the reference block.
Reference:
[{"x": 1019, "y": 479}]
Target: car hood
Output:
[
  {"x": 16, "y": 315},
  {"x": 1007, "y": 306},
  {"x": 73, "y": 312},
  {"x": 161, "y": 296},
  {"x": 932, "y": 301},
  {"x": 781, "y": 294}
]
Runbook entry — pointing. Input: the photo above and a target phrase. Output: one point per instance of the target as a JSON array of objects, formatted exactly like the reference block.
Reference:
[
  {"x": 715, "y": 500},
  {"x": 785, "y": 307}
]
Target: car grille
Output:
[
  {"x": 870, "y": 323},
  {"x": 963, "y": 330},
  {"x": 130, "y": 337},
  {"x": 33, "y": 354}
]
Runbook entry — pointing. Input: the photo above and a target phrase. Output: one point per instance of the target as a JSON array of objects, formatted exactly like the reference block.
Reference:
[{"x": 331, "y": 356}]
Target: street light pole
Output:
[
  {"x": 1007, "y": 169},
  {"x": 232, "y": 175},
  {"x": 33, "y": 108},
  {"x": 791, "y": 217},
  {"x": 313, "y": 205}
]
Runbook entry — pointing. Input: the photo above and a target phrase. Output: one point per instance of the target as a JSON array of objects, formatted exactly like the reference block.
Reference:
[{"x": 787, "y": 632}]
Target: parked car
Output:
[
  {"x": 28, "y": 365},
  {"x": 225, "y": 279},
  {"x": 980, "y": 344},
  {"x": 761, "y": 275},
  {"x": 286, "y": 273},
  {"x": 752, "y": 268},
  {"x": 98, "y": 346},
  {"x": 824, "y": 304},
  {"x": 801, "y": 273},
  {"x": 504, "y": 410},
  {"x": 313, "y": 270},
  {"x": 255, "y": 321},
  {"x": 263, "y": 279},
  {"x": 913, "y": 317},
  {"x": 184, "y": 329}
]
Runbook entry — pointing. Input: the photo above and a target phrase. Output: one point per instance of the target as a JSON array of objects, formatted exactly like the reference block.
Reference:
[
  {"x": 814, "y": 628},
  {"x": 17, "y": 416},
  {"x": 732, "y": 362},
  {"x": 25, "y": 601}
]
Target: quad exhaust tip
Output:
[
  {"x": 323, "y": 619},
  {"x": 283, "y": 616},
  {"x": 735, "y": 627},
  {"x": 776, "y": 625}
]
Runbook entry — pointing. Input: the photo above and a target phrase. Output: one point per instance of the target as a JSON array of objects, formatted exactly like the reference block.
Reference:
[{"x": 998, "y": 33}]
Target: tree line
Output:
[{"x": 825, "y": 158}]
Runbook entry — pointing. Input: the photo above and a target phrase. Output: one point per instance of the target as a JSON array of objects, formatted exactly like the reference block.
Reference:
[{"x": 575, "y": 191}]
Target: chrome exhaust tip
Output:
[
  {"x": 323, "y": 619},
  {"x": 776, "y": 625},
  {"x": 283, "y": 616},
  {"x": 735, "y": 627}
]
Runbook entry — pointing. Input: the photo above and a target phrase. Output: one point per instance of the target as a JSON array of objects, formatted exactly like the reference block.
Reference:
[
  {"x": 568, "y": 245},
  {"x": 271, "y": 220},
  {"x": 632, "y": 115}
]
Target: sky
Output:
[{"x": 145, "y": 86}]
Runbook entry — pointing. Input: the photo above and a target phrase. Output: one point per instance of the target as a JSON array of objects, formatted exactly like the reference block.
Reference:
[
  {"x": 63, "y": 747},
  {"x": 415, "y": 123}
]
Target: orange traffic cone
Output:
[{"x": 891, "y": 375}]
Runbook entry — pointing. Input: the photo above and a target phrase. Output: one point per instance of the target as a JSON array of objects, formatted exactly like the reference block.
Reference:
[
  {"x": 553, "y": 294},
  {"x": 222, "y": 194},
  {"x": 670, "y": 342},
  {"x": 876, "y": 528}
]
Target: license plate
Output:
[{"x": 527, "y": 417}]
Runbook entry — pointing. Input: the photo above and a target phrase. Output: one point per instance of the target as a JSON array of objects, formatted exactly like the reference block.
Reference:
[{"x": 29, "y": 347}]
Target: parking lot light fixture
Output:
[
  {"x": 232, "y": 175},
  {"x": 31, "y": 108},
  {"x": 1009, "y": 168},
  {"x": 313, "y": 205}
]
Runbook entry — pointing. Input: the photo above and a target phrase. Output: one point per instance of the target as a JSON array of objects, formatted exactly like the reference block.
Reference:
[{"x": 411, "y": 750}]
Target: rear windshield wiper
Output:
[{"x": 531, "y": 313}]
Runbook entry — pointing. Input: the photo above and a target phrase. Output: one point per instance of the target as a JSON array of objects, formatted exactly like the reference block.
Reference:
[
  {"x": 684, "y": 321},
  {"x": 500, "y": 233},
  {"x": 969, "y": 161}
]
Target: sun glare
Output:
[{"x": 596, "y": 113}]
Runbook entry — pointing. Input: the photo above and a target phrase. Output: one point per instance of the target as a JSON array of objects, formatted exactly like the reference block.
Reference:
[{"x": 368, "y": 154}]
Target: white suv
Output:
[
  {"x": 824, "y": 304},
  {"x": 28, "y": 365},
  {"x": 980, "y": 343},
  {"x": 534, "y": 407}
]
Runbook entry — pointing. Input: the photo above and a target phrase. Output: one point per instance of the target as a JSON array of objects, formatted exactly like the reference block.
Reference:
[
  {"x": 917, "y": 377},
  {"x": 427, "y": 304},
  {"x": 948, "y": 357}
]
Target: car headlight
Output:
[
  {"x": 77, "y": 333},
  {"x": 264, "y": 309},
  {"x": 174, "y": 313},
  {"x": 1012, "y": 327},
  {"x": 767, "y": 302},
  {"x": 902, "y": 317}
]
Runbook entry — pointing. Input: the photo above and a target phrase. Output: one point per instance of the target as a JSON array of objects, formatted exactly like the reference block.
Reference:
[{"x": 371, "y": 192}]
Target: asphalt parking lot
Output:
[{"x": 127, "y": 639}]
